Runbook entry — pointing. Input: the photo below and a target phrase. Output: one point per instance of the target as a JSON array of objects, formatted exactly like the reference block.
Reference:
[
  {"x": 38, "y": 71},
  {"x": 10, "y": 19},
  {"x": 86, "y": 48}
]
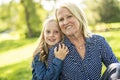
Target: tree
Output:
[
  {"x": 32, "y": 19},
  {"x": 109, "y": 10},
  {"x": 23, "y": 18},
  {"x": 91, "y": 10}
]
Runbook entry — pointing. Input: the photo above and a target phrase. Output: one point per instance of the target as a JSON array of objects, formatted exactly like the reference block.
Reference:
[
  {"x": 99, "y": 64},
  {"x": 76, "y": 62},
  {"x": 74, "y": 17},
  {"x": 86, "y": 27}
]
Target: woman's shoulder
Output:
[{"x": 96, "y": 38}]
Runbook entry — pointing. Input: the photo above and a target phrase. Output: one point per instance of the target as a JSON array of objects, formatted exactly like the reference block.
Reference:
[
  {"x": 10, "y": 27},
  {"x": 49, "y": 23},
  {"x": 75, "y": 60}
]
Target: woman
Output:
[
  {"x": 51, "y": 35},
  {"x": 87, "y": 51}
]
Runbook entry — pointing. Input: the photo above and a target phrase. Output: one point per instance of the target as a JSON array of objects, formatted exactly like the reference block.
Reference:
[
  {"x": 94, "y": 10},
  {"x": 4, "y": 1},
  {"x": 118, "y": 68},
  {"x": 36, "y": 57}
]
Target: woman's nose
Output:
[{"x": 65, "y": 21}]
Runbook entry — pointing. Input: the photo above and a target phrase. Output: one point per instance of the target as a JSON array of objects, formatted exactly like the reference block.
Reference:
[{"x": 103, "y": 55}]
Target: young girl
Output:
[{"x": 50, "y": 36}]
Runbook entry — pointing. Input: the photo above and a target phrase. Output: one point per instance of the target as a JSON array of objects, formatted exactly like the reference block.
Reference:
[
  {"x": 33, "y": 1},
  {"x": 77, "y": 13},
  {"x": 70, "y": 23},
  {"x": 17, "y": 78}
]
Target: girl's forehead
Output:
[{"x": 52, "y": 25}]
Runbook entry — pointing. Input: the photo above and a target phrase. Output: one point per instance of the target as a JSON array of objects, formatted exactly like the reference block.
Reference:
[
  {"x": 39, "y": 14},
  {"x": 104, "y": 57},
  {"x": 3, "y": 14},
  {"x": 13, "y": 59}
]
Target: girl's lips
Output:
[{"x": 52, "y": 40}]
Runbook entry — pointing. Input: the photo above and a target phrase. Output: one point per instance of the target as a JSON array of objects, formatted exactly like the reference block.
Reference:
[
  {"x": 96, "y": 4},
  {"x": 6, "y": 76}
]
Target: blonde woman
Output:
[
  {"x": 87, "y": 51},
  {"x": 50, "y": 36}
]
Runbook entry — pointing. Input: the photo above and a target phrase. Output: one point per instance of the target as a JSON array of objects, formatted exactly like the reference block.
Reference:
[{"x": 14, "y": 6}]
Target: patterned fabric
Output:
[
  {"x": 89, "y": 68},
  {"x": 41, "y": 72}
]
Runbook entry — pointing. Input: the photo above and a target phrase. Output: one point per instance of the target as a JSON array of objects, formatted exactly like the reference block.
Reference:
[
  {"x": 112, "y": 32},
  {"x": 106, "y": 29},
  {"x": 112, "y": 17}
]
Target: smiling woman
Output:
[{"x": 83, "y": 63}]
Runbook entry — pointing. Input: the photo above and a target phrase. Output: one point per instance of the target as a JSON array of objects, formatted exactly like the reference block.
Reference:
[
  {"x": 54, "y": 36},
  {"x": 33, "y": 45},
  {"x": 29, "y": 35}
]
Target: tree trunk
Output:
[{"x": 30, "y": 32}]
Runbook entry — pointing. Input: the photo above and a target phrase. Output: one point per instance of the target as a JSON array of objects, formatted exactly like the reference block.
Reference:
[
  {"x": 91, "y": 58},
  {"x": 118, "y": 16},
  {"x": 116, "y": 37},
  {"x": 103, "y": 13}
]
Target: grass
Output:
[
  {"x": 19, "y": 71},
  {"x": 12, "y": 44},
  {"x": 22, "y": 70}
]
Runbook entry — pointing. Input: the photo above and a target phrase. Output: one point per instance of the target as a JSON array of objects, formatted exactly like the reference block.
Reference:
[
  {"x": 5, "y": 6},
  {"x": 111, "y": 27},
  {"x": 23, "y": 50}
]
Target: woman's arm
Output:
[{"x": 108, "y": 56}]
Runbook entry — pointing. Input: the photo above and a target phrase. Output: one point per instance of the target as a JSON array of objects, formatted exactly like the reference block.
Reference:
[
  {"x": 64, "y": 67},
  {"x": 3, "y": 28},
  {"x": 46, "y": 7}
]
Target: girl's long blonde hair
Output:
[{"x": 42, "y": 47}]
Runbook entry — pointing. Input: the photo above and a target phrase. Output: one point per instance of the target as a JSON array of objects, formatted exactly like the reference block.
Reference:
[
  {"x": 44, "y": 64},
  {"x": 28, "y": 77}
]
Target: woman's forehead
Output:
[{"x": 63, "y": 11}]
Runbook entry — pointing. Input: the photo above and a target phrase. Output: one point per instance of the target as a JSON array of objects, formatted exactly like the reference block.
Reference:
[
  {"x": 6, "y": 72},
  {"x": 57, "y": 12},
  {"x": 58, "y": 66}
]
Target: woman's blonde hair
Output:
[
  {"x": 42, "y": 48},
  {"x": 78, "y": 13}
]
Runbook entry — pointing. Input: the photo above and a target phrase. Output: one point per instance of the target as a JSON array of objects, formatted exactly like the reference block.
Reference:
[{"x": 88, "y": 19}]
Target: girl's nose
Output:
[{"x": 51, "y": 34}]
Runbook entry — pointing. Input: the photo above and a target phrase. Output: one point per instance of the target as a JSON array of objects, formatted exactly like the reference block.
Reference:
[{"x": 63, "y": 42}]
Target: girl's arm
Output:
[{"x": 40, "y": 72}]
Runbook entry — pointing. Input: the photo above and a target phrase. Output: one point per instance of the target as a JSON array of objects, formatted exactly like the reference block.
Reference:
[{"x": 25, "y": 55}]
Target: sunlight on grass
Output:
[
  {"x": 19, "y": 71},
  {"x": 17, "y": 55},
  {"x": 6, "y": 36},
  {"x": 13, "y": 44}
]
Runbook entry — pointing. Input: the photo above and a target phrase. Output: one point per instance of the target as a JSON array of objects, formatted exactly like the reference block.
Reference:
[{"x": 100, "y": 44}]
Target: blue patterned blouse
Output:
[
  {"x": 89, "y": 68},
  {"x": 73, "y": 67},
  {"x": 41, "y": 72}
]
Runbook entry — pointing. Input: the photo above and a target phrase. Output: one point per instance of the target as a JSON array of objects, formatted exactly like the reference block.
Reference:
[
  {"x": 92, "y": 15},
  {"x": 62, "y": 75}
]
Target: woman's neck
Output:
[{"x": 76, "y": 39}]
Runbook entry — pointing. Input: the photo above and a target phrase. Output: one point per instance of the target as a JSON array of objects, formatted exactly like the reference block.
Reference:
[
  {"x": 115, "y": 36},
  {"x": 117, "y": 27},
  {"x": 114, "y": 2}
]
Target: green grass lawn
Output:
[
  {"x": 16, "y": 71},
  {"x": 22, "y": 70},
  {"x": 19, "y": 71},
  {"x": 13, "y": 44}
]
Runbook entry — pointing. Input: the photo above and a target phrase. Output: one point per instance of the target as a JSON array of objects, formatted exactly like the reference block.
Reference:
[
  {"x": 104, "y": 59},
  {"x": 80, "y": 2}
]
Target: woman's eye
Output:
[
  {"x": 69, "y": 16},
  {"x": 61, "y": 19}
]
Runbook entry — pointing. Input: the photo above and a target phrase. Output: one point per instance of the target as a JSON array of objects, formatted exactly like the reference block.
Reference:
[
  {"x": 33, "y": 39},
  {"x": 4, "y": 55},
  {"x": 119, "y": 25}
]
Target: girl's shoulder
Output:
[{"x": 36, "y": 57}]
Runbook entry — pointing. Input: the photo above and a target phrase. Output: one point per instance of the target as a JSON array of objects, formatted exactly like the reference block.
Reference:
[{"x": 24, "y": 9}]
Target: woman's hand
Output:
[{"x": 61, "y": 51}]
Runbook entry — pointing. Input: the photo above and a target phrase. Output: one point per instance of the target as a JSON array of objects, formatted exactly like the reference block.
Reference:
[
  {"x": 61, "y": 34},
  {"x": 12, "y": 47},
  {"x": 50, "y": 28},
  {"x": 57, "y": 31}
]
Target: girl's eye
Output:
[
  {"x": 47, "y": 31},
  {"x": 56, "y": 31}
]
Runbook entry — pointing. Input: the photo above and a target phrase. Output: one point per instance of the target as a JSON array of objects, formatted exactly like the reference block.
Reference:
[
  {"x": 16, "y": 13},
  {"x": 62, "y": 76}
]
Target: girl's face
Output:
[
  {"x": 69, "y": 24},
  {"x": 52, "y": 33}
]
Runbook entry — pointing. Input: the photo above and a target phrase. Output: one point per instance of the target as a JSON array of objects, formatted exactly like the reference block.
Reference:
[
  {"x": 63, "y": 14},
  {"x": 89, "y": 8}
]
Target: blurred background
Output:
[{"x": 21, "y": 23}]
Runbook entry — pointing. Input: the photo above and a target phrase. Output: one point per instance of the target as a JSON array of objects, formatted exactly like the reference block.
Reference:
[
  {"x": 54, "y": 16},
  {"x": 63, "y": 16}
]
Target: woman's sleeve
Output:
[
  {"x": 40, "y": 72},
  {"x": 108, "y": 56}
]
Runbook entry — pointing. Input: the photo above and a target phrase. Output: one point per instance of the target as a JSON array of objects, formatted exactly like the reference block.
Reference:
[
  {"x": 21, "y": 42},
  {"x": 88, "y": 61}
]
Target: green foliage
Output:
[
  {"x": 19, "y": 71},
  {"x": 32, "y": 19},
  {"x": 105, "y": 11},
  {"x": 13, "y": 16},
  {"x": 109, "y": 10},
  {"x": 91, "y": 11},
  {"x": 105, "y": 27},
  {"x": 4, "y": 17}
]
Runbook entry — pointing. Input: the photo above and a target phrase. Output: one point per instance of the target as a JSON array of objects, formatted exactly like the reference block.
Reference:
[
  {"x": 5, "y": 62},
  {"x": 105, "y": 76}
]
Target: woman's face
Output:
[
  {"x": 68, "y": 23},
  {"x": 52, "y": 33}
]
